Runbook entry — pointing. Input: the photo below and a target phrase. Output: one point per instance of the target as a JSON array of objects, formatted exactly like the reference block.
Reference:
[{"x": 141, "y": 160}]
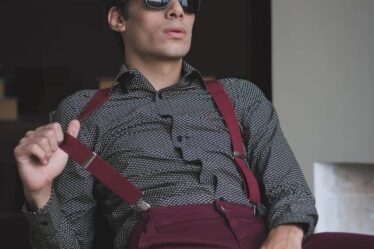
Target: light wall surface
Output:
[
  {"x": 345, "y": 197},
  {"x": 323, "y": 79}
]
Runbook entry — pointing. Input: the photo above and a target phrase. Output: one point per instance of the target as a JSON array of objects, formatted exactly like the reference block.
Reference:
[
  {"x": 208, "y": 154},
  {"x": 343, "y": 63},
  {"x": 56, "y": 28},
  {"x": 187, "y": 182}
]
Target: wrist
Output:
[
  {"x": 38, "y": 199},
  {"x": 294, "y": 230}
]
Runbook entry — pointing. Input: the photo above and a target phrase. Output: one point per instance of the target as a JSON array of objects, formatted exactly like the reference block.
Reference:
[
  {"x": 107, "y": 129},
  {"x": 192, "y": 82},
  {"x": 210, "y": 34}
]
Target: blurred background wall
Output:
[{"x": 323, "y": 78}]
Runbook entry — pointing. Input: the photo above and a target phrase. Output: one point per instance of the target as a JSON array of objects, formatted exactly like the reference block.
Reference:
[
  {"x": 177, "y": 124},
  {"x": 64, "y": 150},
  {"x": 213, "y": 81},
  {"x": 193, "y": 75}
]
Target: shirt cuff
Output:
[{"x": 44, "y": 221}]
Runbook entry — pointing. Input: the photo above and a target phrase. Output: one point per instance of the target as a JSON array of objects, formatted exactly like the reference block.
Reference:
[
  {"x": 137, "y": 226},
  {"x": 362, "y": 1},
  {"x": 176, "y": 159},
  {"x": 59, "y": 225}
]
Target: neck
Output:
[{"x": 160, "y": 74}]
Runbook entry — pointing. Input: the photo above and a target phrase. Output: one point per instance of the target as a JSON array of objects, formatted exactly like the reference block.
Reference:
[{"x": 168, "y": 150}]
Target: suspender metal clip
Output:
[
  {"x": 89, "y": 160},
  {"x": 143, "y": 205},
  {"x": 237, "y": 154}
]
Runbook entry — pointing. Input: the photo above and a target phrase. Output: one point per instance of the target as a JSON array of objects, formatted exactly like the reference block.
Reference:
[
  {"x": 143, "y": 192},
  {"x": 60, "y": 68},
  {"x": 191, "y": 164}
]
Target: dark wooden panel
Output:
[
  {"x": 13, "y": 227},
  {"x": 14, "y": 231},
  {"x": 11, "y": 191}
]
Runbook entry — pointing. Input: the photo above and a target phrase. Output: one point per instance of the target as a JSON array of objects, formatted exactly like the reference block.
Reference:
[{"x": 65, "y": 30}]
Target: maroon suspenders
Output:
[
  {"x": 223, "y": 102},
  {"x": 125, "y": 189}
]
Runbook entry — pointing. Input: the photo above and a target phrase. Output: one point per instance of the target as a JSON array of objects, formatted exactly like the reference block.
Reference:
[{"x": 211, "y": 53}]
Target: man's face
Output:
[{"x": 158, "y": 34}]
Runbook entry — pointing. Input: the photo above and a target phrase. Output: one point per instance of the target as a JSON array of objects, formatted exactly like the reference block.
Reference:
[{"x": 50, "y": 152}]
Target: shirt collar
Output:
[{"x": 131, "y": 79}]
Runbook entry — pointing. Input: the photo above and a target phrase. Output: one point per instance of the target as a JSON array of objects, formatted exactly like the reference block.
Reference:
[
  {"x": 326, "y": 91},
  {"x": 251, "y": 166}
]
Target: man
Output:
[{"x": 161, "y": 130}]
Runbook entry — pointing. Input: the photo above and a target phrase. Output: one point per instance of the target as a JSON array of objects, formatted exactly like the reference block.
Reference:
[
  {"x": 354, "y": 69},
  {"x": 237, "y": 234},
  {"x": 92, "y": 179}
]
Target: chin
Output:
[
  {"x": 176, "y": 51},
  {"x": 173, "y": 54},
  {"x": 170, "y": 57}
]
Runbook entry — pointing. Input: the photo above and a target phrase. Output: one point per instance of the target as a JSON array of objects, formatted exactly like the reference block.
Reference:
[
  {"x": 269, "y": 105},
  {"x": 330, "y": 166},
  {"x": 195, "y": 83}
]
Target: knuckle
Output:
[
  {"x": 33, "y": 147},
  {"x": 23, "y": 140},
  {"x": 50, "y": 133},
  {"x": 29, "y": 133},
  {"x": 44, "y": 140},
  {"x": 16, "y": 150},
  {"x": 57, "y": 126}
]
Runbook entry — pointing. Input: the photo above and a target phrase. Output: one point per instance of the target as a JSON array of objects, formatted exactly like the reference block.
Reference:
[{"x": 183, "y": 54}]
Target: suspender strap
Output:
[
  {"x": 101, "y": 96},
  {"x": 105, "y": 173},
  {"x": 99, "y": 168},
  {"x": 223, "y": 102}
]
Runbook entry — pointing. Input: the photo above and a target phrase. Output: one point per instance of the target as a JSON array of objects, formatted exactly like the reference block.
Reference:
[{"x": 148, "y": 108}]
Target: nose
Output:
[{"x": 175, "y": 10}]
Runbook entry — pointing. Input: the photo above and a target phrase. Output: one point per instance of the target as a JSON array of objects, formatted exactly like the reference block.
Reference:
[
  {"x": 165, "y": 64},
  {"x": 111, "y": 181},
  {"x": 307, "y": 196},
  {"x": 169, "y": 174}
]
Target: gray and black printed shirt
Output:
[{"x": 173, "y": 144}]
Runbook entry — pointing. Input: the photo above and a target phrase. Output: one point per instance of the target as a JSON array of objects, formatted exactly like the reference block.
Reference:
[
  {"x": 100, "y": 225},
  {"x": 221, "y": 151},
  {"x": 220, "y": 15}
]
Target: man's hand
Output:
[
  {"x": 40, "y": 160},
  {"x": 284, "y": 237}
]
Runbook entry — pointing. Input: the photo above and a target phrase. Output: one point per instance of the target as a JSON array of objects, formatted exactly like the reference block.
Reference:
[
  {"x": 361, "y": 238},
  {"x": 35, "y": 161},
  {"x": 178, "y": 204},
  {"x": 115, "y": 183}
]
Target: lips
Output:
[{"x": 175, "y": 32}]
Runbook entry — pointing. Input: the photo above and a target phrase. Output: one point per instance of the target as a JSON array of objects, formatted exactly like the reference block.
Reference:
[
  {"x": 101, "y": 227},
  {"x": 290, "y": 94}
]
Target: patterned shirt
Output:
[{"x": 174, "y": 145}]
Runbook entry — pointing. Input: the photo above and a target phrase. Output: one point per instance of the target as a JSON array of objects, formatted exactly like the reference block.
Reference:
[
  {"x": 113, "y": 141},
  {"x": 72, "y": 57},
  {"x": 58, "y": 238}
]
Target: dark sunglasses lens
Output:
[
  {"x": 191, "y": 6},
  {"x": 157, "y": 4}
]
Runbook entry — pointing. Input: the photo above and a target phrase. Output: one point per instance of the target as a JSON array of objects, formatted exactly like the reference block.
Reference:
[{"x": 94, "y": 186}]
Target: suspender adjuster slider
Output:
[
  {"x": 238, "y": 154},
  {"x": 89, "y": 160}
]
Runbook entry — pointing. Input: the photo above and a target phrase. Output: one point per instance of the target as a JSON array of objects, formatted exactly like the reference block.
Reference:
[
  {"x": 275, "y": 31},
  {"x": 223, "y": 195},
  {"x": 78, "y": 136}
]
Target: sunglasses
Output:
[{"x": 190, "y": 6}]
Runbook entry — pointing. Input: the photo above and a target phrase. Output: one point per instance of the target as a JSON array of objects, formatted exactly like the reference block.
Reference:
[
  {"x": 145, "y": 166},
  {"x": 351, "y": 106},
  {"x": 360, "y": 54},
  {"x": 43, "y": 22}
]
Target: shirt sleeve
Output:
[
  {"x": 284, "y": 190},
  {"x": 67, "y": 220}
]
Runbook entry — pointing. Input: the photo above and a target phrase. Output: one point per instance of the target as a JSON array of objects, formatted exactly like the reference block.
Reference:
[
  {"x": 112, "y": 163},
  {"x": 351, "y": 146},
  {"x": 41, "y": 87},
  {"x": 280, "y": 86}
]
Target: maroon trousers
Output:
[{"x": 221, "y": 225}]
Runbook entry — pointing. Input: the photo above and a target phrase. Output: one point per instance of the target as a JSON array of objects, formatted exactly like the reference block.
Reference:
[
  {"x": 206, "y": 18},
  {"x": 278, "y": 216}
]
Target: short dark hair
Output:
[{"x": 122, "y": 5}]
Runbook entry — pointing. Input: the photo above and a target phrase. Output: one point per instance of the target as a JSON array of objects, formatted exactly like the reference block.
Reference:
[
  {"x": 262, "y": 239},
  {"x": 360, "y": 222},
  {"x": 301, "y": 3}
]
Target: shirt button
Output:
[
  {"x": 179, "y": 138},
  {"x": 159, "y": 95}
]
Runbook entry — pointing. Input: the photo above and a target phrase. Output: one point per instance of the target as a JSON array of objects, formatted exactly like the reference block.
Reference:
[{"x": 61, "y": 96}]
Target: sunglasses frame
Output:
[{"x": 164, "y": 7}]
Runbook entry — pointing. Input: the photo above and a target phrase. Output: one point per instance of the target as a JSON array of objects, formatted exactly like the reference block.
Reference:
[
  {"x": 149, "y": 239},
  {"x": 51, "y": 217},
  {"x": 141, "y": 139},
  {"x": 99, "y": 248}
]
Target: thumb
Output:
[{"x": 73, "y": 128}]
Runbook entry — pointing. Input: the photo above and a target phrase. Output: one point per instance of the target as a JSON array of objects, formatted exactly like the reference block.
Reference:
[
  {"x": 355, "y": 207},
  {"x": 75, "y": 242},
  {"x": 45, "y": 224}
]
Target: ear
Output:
[{"x": 116, "y": 20}]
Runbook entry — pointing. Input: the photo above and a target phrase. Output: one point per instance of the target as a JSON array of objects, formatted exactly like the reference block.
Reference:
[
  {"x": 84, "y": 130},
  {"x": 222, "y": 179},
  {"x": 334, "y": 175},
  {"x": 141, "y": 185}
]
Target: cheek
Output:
[
  {"x": 139, "y": 34},
  {"x": 190, "y": 20},
  {"x": 149, "y": 32}
]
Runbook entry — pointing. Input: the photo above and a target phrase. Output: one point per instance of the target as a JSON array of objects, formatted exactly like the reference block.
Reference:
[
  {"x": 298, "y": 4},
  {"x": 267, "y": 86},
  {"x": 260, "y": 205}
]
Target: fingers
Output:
[
  {"x": 51, "y": 133},
  {"x": 38, "y": 152},
  {"x": 41, "y": 142},
  {"x": 73, "y": 128},
  {"x": 45, "y": 144},
  {"x": 30, "y": 150},
  {"x": 59, "y": 132}
]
